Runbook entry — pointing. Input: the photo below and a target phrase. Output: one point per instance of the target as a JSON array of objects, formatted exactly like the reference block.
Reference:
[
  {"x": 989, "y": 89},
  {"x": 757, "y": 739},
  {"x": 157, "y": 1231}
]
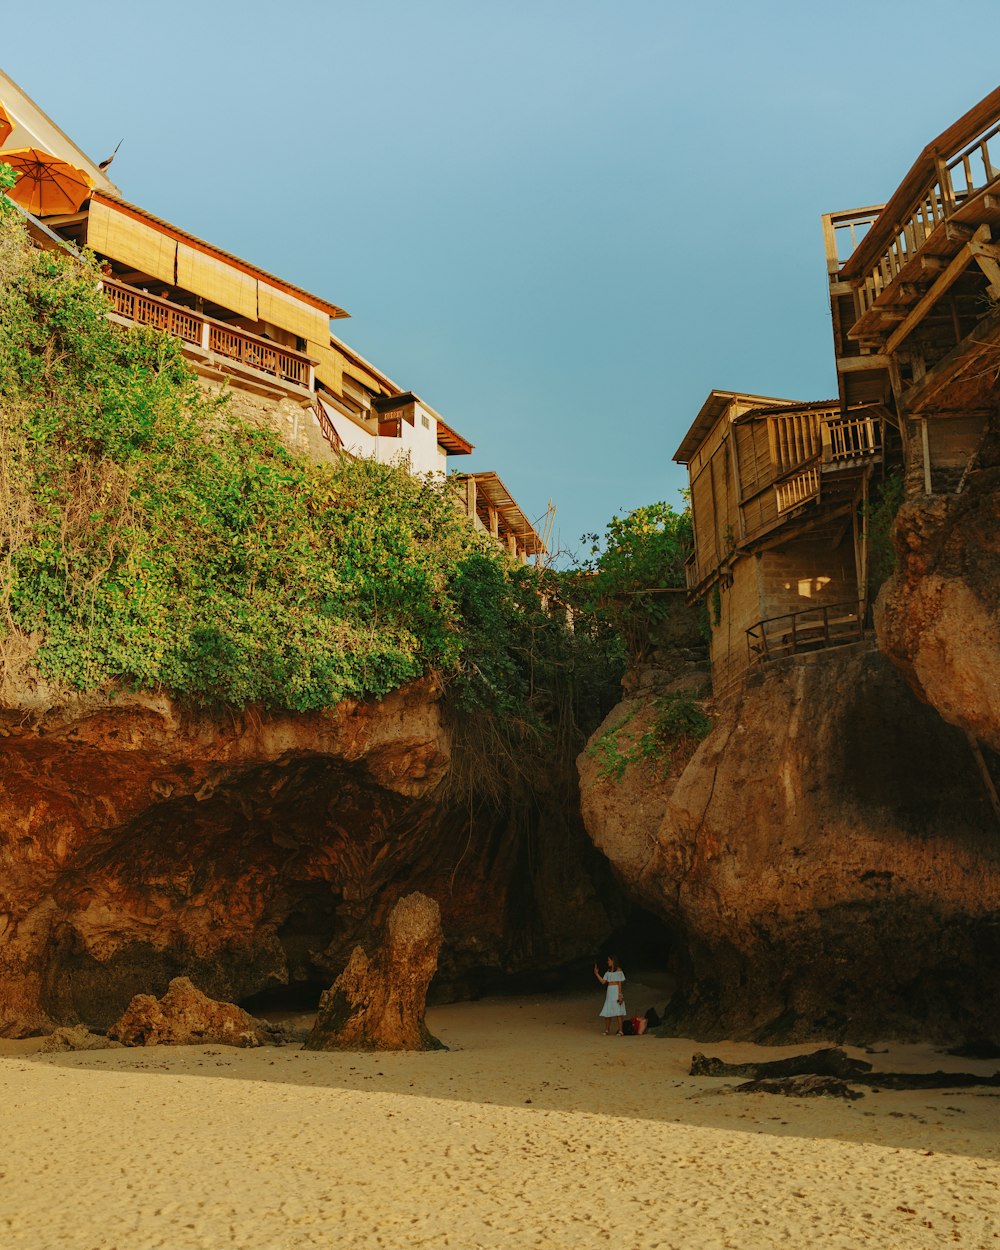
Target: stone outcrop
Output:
[
  {"x": 76, "y": 1037},
  {"x": 184, "y": 1016},
  {"x": 938, "y": 617},
  {"x": 249, "y": 851},
  {"x": 828, "y": 860},
  {"x": 379, "y": 1003}
]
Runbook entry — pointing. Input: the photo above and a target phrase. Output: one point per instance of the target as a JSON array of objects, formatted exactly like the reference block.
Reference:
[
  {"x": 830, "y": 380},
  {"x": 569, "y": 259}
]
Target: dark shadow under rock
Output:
[
  {"x": 801, "y": 1087},
  {"x": 780, "y": 1076},
  {"x": 831, "y": 1061}
]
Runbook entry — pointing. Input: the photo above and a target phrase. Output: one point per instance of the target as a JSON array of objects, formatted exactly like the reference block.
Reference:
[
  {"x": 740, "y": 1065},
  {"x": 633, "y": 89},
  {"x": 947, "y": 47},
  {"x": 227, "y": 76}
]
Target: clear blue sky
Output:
[{"x": 561, "y": 222}]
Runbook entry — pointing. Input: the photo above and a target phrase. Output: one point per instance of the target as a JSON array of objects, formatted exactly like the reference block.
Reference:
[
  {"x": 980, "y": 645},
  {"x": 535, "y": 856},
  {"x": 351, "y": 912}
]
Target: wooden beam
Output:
[
  {"x": 984, "y": 772},
  {"x": 925, "y": 444},
  {"x": 946, "y": 279},
  {"x": 991, "y": 269},
  {"x": 981, "y": 339}
]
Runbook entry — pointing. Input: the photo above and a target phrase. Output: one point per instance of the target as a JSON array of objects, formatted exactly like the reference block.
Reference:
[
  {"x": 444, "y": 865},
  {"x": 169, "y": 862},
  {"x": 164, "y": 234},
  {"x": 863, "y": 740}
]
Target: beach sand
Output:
[{"x": 534, "y": 1130}]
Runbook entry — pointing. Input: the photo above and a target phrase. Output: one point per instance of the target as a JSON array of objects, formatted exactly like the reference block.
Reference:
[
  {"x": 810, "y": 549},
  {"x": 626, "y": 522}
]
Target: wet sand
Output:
[{"x": 534, "y": 1130}]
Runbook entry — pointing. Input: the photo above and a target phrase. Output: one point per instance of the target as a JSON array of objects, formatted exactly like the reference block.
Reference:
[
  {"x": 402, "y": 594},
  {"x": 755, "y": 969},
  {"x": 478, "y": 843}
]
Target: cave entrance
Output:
[
  {"x": 651, "y": 951},
  {"x": 298, "y": 998}
]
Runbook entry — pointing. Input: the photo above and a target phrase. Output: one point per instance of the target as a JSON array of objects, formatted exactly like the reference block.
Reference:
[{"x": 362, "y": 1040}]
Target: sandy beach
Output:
[{"x": 533, "y": 1130}]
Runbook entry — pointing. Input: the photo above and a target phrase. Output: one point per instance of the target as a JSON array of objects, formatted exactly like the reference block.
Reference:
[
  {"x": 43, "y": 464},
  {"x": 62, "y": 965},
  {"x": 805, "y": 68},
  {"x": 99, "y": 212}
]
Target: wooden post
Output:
[
  {"x": 863, "y": 575},
  {"x": 470, "y": 497},
  {"x": 984, "y": 772},
  {"x": 925, "y": 441}
]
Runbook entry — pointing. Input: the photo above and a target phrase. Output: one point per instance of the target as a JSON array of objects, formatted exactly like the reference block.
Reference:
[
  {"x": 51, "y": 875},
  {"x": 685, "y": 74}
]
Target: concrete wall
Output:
[{"x": 416, "y": 448}]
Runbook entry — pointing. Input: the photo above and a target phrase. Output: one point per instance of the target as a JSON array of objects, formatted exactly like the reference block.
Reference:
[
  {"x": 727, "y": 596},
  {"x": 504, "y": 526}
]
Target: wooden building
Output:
[
  {"x": 493, "y": 509},
  {"x": 915, "y": 294},
  {"x": 778, "y": 493},
  {"x": 268, "y": 340}
]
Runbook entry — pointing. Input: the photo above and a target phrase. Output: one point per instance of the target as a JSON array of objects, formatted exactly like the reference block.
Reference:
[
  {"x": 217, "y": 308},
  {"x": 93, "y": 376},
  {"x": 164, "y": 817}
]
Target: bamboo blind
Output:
[
  {"x": 113, "y": 233},
  {"x": 216, "y": 282},
  {"x": 292, "y": 314},
  {"x": 329, "y": 365}
]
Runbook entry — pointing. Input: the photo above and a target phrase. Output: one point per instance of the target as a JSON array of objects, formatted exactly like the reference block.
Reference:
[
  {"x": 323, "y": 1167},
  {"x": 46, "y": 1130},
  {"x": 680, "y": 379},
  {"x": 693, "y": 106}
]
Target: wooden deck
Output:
[
  {"x": 911, "y": 280},
  {"x": 258, "y": 354},
  {"x": 812, "y": 629}
]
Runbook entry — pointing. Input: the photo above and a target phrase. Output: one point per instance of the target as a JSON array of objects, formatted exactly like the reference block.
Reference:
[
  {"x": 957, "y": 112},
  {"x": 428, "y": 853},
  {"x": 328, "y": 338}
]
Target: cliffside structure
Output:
[{"x": 269, "y": 340}]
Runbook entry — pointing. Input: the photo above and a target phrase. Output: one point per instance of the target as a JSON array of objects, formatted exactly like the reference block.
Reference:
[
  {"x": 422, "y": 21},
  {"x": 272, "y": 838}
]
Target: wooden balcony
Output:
[
  {"x": 899, "y": 260},
  {"x": 253, "y": 353},
  {"x": 812, "y": 629}
]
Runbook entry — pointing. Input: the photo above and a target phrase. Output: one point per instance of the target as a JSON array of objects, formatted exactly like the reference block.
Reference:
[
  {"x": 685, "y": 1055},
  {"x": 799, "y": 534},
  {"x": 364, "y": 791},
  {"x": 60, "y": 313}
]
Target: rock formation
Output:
[
  {"x": 184, "y": 1016},
  {"x": 140, "y": 841},
  {"x": 828, "y": 860},
  {"x": 76, "y": 1037},
  {"x": 379, "y": 1003},
  {"x": 938, "y": 617}
]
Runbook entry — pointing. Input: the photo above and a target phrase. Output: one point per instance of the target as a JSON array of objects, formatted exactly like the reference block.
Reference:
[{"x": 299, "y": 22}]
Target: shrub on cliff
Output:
[
  {"x": 639, "y": 556},
  {"x": 150, "y": 539}
]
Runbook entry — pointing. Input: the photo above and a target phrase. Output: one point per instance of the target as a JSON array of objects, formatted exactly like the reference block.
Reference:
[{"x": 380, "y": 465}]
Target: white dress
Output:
[{"x": 612, "y": 1007}]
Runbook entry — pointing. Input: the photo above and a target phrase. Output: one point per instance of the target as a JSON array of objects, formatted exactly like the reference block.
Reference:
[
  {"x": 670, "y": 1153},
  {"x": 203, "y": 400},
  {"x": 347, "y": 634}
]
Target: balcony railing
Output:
[
  {"x": 853, "y": 437},
  {"x": 210, "y": 335},
  {"x": 811, "y": 629},
  {"x": 798, "y": 489},
  {"x": 958, "y": 166}
]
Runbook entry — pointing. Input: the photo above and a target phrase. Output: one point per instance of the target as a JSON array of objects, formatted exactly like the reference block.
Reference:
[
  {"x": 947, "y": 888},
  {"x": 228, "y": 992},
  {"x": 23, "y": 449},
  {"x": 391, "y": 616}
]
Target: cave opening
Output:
[{"x": 649, "y": 949}]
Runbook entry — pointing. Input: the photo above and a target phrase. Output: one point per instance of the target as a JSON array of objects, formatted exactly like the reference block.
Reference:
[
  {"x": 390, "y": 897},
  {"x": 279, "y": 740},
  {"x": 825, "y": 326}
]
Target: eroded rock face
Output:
[
  {"x": 828, "y": 859},
  {"x": 184, "y": 1016},
  {"x": 938, "y": 617},
  {"x": 76, "y": 1037},
  {"x": 140, "y": 842},
  {"x": 379, "y": 1003}
]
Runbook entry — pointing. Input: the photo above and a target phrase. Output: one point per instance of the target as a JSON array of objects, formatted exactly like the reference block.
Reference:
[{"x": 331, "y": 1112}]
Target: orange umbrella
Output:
[
  {"x": 46, "y": 185},
  {"x": 6, "y": 125}
]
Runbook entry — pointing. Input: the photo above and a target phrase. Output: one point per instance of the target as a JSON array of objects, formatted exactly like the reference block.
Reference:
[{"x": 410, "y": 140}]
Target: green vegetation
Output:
[
  {"x": 678, "y": 725},
  {"x": 150, "y": 540},
  {"x": 881, "y": 514},
  {"x": 640, "y": 555}
]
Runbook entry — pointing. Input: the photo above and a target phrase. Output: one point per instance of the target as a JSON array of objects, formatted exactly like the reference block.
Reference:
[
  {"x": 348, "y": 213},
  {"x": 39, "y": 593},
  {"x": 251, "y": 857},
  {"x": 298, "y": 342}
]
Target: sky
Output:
[{"x": 560, "y": 222}]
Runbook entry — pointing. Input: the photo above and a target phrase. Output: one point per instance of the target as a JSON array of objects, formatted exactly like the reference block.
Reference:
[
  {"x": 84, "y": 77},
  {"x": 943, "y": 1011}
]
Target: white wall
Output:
[{"x": 417, "y": 448}]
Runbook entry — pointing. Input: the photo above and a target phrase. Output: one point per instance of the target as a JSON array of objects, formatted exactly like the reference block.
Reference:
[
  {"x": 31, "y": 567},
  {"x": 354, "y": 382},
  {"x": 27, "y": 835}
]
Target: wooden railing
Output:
[
  {"x": 148, "y": 310},
  {"x": 258, "y": 354},
  {"x": 795, "y": 490},
  {"x": 327, "y": 428},
  {"x": 959, "y": 164},
  {"x": 853, "y": 438},
  {"x": 811, "y": 629},
  {"x": 209, "y": 334}
]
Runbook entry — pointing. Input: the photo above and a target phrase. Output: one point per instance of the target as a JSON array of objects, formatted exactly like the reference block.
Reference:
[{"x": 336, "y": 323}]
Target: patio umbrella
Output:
[
  {"x": 46, "y": 185},
  {"x": 6, "y": 125}
]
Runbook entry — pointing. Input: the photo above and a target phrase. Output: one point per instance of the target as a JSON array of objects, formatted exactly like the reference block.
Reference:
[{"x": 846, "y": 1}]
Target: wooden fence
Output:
[{"x": 810, "y": 629}]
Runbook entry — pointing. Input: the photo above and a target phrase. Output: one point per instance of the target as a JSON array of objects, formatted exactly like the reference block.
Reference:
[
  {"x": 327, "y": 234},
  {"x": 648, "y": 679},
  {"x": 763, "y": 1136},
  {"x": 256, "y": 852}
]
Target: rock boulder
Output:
[
  {"x": 184, "y": 1016},
  {"x": 379, "y": 1003}
]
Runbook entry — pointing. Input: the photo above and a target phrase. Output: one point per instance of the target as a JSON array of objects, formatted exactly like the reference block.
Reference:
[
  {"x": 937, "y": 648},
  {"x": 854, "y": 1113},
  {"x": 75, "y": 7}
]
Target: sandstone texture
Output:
[
  {"x": 828, "y": 861},
  {"x": 251, "y": 851},
  {"x": 184, "y": 1016},
  {"x": 938, "y": 617},
  {"x": 379, "y": 1003},
  {"x": 76, "y": 1037}
]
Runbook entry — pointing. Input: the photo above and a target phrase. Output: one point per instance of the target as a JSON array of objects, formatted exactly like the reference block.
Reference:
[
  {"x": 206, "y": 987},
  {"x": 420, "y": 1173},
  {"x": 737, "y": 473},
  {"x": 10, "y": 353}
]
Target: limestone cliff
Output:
[
  {"x": 828, "y": 860},
  {"x": 139, "y": 842}
]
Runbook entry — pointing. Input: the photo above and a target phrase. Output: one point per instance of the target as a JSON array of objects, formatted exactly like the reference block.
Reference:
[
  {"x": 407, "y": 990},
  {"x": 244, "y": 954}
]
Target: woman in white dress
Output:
[{"x": 614, "y": 1001}]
